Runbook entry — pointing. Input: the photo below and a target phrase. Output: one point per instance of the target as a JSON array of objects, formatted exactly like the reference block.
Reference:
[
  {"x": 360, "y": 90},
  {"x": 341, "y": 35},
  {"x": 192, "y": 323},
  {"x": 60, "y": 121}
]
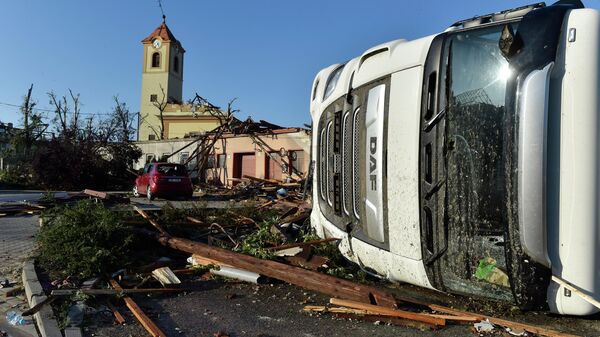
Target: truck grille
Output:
[
  {"x": 356, "y": 129},
  {"x": 339, "y": 165}
]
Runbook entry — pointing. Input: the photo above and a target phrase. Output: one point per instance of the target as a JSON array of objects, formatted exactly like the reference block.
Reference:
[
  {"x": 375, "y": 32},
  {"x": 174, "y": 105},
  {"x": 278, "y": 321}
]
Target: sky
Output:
[{"x": 265, "y": 53}]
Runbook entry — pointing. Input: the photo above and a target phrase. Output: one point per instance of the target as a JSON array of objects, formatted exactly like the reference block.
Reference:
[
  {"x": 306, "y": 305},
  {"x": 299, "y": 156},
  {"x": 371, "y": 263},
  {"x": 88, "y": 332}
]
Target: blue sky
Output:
[{"x": 264, "y": 52}]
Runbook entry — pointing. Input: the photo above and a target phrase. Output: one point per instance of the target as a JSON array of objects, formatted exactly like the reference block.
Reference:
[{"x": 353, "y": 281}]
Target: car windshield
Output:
[{"x": 172, "y": 170}]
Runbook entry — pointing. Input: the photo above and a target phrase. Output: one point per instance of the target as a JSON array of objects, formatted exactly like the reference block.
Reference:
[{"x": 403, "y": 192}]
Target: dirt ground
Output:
[{"x": 275, "y": 310}]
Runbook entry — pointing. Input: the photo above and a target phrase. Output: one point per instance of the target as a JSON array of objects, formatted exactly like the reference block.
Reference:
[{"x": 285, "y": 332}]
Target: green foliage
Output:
[
  {"x": 255, "y": 243},
  {"x": 48, "y": 197},
  {"x": 83, "y": 240},
  {"x": 62, "y": 163},
  {"x": 14, "y": 178}
]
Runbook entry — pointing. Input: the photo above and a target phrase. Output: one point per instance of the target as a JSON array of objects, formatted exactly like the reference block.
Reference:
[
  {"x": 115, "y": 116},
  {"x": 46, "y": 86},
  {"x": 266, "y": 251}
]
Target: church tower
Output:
[{"x": 162, "y": 79}]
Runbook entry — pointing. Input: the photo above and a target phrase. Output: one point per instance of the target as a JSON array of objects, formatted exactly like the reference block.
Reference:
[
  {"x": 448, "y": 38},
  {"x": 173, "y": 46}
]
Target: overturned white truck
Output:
[{"x": 476, "y": 146}]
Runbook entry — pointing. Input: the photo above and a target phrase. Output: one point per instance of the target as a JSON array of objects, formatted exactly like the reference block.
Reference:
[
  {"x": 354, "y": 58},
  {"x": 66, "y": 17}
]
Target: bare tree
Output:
[
  {"x": 160, "y": 105},
  {"x": 123, "y": 119},
  {"x": 66, "y": 127}
]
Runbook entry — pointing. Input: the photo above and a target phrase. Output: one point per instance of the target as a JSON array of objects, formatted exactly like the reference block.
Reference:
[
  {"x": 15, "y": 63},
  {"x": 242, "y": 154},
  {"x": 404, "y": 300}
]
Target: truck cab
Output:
[{"x": 473, "y": 148}]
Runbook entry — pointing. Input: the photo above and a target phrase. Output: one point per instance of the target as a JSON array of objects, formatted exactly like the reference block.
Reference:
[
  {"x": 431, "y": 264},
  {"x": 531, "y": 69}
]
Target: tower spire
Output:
[{"x": 164, "y": 17}]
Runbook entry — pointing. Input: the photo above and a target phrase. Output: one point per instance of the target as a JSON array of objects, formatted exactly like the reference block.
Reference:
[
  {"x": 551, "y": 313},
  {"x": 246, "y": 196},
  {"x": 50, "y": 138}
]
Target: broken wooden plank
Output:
[
  {"x": 69, "y": 292},
  {"x": 502, "y": 322},
  {"x": 390, "y": 312},
  {"x": 165, "y": 276},
  {"x": 460, "y": 319},
  {"x": 316, "y": 281},
  {"x": 146, "y": 322},
  {"x": 118, "y": 317},
  {"x": 388, "y": 320},
  {"x": 39, "y": 305},
  {"x": 264, "y": 181},
  {"x": 152, "y": 221},
  {"x": 196, "y": 221},
  {"x": 96, "y": 194},
  {"x": 576, "y": 290},
  {"x": 13, "y": 292}
]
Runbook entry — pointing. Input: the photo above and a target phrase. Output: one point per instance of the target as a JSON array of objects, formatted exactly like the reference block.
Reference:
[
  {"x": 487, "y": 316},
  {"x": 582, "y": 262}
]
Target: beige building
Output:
[
  {"x": 162, "y": 89},
  {"x": 279, "y": 154}
]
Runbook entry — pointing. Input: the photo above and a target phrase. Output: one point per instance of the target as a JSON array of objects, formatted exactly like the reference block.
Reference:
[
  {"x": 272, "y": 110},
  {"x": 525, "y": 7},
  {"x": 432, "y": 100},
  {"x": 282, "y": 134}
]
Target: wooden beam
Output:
[
  {"x": 316, "y": 281},
  {"x": 152, "y": 221},
  {"x": 144, "y": 320},
  {"x": 388, "y": 320},
  {"x": 390, "y": 312},
  {"x": 97, "y": 194},
  {"x": 69, "y": 292},
  {"x": 576, "y": 290},
  {"x": 502, "y": 322},
  {"x": 118, "y": 317}
]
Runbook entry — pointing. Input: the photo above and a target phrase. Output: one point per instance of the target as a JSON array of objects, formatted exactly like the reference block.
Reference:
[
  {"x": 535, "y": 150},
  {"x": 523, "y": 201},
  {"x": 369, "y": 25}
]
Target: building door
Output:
[
  {"x": 244, "y": 164},
  {"x": 273, "y": 166}
]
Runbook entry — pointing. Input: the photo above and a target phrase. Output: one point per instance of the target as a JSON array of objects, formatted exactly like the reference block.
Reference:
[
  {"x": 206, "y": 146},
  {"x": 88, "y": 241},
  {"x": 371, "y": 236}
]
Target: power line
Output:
[{"x": 49, "y": 110}]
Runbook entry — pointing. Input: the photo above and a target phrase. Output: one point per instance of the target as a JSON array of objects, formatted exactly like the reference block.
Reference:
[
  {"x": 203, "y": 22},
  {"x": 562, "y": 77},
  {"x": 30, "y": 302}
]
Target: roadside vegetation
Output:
[{"x": 67, "y": 149}]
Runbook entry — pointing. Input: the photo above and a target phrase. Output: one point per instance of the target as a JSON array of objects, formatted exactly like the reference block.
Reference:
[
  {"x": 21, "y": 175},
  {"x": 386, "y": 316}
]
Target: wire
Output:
[{"x": 50, "y": 110}]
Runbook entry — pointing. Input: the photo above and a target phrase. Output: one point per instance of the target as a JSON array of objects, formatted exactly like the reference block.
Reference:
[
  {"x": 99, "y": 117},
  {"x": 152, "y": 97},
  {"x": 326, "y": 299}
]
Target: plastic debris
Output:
[
  {"x": 484, "y": 326},
  {"x": 15, "y": 318},
  {"x": 488, "y": 271},
  {"x": 282, "y": 192}
]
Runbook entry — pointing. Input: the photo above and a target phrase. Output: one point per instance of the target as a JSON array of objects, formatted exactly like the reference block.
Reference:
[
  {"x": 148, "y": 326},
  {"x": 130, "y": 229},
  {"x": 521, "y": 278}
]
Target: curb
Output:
[{"x": 44, "y": 319}]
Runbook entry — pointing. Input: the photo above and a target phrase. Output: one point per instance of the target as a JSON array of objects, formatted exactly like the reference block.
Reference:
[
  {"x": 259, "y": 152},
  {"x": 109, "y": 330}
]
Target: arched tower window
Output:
[
  {"x": 176, "y": 64},
  {"x": 155, "y": 60}
]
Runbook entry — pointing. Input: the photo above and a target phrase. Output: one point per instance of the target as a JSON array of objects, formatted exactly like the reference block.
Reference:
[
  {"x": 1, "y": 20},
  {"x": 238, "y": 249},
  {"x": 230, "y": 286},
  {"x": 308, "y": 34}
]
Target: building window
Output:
[
  {"x": 176, "y": 64},
  {"x": 222, "y": 162},
  {"x": 164, "y": 155},
  {"x": 153, "y": 98},
  {"x": 151, "y": 137},
  {"x": 297, "y": 161},
  {"x": 210, "y": 162},
  {"x": 149, "y": 158},
  {"x": 155, "y": 60},
  {"x": 183, "y": 157}
]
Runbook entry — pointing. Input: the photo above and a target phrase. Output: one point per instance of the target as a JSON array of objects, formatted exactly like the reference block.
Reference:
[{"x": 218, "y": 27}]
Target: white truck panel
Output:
[
  {"x": 574, "y": 252},
  {"x": 403, "y": 163}
]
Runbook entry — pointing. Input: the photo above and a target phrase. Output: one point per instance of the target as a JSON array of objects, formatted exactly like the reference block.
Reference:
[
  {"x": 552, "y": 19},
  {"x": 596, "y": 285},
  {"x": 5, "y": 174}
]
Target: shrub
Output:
[{"x": 83, "y": 240}]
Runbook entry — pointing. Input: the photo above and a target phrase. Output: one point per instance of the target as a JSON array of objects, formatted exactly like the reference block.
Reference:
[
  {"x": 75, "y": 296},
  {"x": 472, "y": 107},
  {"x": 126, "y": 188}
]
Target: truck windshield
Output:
[
  {"x": 476, "y": 77},
  {"x": 476, "y": 109}
]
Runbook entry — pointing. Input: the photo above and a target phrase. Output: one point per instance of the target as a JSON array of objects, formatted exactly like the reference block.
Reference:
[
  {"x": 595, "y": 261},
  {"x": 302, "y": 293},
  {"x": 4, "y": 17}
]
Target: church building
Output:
[{"x": 162, "y": 90}]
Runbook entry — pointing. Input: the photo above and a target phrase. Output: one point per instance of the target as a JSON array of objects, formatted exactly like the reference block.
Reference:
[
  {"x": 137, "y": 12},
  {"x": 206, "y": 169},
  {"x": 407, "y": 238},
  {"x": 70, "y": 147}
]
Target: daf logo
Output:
[{"x": 373, "y": 163}]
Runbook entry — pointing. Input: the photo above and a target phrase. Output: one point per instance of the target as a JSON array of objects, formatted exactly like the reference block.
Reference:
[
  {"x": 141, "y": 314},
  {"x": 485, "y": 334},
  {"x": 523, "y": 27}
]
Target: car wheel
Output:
[
  {"x": 149, "y": 194},
  {"x": 135, "y": 191}
]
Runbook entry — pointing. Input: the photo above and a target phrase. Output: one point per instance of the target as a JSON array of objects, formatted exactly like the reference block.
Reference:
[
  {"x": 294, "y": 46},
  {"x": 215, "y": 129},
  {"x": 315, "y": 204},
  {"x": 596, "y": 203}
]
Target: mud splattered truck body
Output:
[{"x": 473, "y": 148}]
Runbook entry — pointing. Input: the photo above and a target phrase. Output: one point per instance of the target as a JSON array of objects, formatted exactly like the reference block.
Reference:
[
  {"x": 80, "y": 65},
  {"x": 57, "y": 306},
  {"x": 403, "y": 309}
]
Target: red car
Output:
[{"x": 164, "y": 180}]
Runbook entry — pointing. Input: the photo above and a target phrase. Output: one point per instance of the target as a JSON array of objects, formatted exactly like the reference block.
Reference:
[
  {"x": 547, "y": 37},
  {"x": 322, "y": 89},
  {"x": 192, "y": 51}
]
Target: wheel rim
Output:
[
  {"x": 148, "y": 193},
  {"x": 135, "y": 191}
]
